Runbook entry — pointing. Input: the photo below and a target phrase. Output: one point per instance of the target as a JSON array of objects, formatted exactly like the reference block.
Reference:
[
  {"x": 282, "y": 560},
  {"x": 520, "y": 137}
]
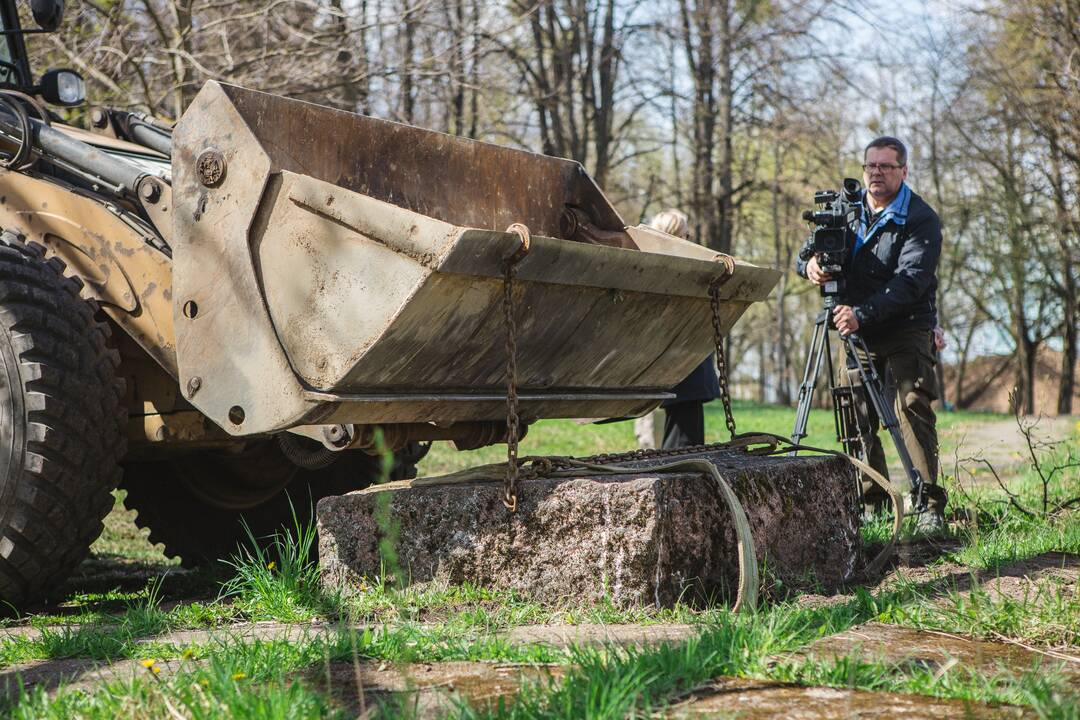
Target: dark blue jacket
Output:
[
  {"x": 700, "y": 385},
  {"x": 892, "y": 278}
]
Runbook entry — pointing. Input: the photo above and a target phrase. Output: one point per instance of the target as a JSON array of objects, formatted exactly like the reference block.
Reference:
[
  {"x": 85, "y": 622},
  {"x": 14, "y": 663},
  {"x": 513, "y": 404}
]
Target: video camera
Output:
[{"x": 833, "y": 236}]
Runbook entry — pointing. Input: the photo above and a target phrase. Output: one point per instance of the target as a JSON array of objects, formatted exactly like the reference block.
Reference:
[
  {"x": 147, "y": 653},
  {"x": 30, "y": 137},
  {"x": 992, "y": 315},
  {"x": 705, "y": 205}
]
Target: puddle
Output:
[
  {"x": 937, "y": 651},
  {"x": 750, "y": 699}
]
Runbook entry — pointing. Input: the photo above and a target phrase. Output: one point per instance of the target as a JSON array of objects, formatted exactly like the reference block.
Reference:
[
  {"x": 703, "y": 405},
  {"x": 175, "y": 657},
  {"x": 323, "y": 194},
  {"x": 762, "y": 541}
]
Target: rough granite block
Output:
[{"x": 638, "y": 538}]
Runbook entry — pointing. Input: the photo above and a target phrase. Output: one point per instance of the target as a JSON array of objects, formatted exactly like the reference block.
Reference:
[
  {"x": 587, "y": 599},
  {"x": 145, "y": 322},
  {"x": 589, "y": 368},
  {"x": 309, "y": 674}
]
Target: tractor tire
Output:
[
  {"x": 196, "y": 505},
  {"x": 62, "y": 421}
]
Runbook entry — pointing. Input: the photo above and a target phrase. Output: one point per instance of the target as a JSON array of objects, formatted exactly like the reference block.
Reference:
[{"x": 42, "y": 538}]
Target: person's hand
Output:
[
  {"x": 814, "y": 272},
  {"x": 845, "y": 320},
  {"x": 939, "y": 339}
]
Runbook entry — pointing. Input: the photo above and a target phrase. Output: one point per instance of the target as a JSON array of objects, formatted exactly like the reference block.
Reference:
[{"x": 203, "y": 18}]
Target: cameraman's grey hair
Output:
[
  {"x": 673, "y": 222},
  {"x": 887, "y": 141}
]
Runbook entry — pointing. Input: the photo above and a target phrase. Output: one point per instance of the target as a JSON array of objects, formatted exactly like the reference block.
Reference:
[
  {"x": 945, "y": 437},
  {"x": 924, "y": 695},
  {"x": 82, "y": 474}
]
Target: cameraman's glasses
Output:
[{"x": 883, "y": 167}]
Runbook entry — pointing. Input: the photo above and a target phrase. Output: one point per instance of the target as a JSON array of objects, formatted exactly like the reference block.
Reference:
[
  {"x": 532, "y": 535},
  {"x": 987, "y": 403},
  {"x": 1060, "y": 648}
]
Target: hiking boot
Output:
[{"x": 929, "y": 522}]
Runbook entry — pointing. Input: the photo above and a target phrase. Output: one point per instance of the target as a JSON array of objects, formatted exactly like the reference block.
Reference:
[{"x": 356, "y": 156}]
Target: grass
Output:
[
  {"x": 279, "y": 581},
  {"x": 1046, "y": 693},
  {"x": 624, "y": 683},
  {"x": 237, "y": 681},
  {"x": 568, "y": 437},
  {"x": 230, "y": 677},
  {"x": 1044, "y": 613}
]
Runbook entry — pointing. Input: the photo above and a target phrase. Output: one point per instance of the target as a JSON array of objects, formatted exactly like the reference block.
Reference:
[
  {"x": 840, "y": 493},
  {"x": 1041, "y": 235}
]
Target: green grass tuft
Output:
[{"x": 278, "y": 579}]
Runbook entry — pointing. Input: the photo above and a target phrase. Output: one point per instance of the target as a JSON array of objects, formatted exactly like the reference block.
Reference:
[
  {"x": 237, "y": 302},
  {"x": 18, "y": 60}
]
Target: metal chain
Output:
[
  {"x": 512, "y": 424},
  {"x": 652, "y": 453},
  {"x": 718, "y": 338}
]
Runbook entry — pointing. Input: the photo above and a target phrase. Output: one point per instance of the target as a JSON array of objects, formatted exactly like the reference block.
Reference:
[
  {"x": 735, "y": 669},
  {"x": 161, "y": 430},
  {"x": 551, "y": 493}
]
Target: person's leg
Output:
[
  {"x": 643, "y": 431},
  {"x": 910, "y": 362},
  {"x": 684, "y": 425}
]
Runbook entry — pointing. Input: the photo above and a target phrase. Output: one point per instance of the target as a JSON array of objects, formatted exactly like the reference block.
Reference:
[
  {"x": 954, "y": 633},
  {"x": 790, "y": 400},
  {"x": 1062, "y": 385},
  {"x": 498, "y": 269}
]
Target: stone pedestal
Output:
[{"x": 637, "y": 538}]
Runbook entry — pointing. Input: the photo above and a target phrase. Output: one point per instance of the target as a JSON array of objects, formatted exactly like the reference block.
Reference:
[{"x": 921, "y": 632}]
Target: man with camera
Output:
[{"x": 890, "y": 300}]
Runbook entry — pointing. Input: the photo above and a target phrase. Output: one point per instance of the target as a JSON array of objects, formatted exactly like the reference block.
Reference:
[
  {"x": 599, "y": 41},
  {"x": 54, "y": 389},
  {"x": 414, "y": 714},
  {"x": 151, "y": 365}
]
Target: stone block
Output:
[{"x": 638, "y": 538}]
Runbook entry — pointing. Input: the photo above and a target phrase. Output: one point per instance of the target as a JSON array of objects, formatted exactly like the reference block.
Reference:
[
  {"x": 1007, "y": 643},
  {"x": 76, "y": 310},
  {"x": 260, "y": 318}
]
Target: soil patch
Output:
[
  {"x": 1000, "y": 442},
  {"x": 938, "y": 652},
  {"x": 1020, "y": 580},
  {"x": 246, "y": 632},
  {"x": 239, "y": 632},
  {"x": 749, "y": 699},
  {"x": 563, "y": 636},
  {"x": 424, "y": 690},
  {"x": 81, "y": 673}
]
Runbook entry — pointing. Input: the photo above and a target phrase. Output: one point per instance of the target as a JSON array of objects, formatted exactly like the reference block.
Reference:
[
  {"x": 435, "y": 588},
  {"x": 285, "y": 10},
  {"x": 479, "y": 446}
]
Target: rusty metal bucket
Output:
[{"x": 332, "y": 268}]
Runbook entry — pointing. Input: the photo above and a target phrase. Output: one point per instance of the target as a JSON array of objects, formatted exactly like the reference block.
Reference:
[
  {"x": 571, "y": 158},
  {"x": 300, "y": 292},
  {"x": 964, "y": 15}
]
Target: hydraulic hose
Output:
[{"x": 53, "y": 144}]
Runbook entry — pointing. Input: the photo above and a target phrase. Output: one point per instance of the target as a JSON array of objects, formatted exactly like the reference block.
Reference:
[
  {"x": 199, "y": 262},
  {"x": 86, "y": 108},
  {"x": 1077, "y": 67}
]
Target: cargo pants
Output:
[{"x": 905, "y": 361}]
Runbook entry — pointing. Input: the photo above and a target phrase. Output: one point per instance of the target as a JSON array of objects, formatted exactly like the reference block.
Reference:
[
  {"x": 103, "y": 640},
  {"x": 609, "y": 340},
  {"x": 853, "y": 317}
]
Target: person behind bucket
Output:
[
  {"x": 891, "y": 303},
  {"x": 684, "y": 422}
]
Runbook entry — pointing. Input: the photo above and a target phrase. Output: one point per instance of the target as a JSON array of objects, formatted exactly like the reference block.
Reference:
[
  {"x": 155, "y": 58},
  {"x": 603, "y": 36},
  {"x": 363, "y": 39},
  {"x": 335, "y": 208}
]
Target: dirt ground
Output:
[{"x": 1000, "y": 442}]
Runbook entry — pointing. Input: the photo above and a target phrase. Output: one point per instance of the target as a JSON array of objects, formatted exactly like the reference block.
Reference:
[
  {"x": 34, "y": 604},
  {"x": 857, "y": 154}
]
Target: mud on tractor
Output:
[{"x": 249, "y": 306}]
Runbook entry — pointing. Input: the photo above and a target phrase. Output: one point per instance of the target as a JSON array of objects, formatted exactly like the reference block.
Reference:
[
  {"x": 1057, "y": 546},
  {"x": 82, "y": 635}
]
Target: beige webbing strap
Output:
[{"x": 895, "y": 497}]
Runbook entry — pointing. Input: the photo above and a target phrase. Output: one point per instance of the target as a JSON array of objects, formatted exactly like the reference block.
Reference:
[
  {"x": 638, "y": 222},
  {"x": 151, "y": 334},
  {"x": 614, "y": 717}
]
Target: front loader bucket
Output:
[{"x": 333, "y": 268}]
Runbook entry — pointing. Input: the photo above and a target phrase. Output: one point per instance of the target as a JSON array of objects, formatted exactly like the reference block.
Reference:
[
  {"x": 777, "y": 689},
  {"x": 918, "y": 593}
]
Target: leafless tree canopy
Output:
[{"x": 733, "y": 110}]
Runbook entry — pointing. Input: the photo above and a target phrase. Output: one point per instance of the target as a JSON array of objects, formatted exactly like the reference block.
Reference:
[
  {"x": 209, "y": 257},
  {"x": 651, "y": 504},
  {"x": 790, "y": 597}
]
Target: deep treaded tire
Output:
[
  {"x": 61, "y": 423},
  {"x": 166, "y": 495}
]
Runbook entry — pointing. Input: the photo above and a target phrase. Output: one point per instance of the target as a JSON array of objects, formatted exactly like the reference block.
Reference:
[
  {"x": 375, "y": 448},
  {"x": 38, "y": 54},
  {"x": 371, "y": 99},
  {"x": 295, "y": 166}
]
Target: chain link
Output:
[
  {"x": 512, "y": 423},
  {"x": 718, "y": 338}
]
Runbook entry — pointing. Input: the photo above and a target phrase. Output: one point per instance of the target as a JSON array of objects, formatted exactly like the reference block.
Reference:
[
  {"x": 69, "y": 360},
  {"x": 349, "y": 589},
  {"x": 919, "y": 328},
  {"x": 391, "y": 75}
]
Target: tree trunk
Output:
[
  {"x": 780, "y": 364},
  {"x": 604, "y": 113},
  {"x": 1026, "y": 371},
  {"x": 344, "y": 59},
  {"x": 763, "y": 375},
  {"x": 698, "y": 40},
  {"x": 1066, "y": 229},
  {"x": 1067, "y": 384},
  {"x": 725, "y": 215},
  {"x": 457, "y": 73},
  {"x": 408, "y": 91}
]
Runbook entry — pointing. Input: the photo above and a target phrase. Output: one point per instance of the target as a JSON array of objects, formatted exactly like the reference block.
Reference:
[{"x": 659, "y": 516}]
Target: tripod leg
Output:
[
  {"x": 875, "y": 389},
  {"x": 818, "y": 342},
  {"x": 846, "y": 419}
]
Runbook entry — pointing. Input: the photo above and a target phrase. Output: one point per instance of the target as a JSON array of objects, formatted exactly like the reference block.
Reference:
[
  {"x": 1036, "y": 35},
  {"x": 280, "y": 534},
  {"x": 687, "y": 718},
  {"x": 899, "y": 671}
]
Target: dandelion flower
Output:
[
  {"x": 271, "y": 565},
  {"x": 239, "y": 676},
  {"x": 149, "y": 663},
  {"x": 155, "y": 669}
]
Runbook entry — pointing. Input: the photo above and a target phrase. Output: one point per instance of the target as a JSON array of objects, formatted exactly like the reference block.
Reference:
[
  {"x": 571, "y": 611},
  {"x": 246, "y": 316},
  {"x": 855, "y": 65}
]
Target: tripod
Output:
[{"x": 845, "y": 410}]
